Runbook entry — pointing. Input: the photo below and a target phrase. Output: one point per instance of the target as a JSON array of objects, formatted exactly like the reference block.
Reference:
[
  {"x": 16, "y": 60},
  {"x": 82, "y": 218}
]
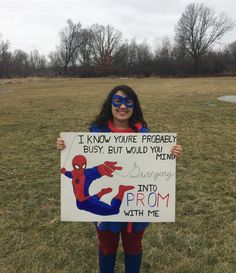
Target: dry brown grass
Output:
[{"x": 34, "y": 112}]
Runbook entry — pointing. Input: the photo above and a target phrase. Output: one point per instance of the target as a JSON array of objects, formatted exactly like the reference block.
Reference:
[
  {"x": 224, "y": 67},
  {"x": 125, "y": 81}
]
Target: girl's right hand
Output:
[{"x": 60, "y": 144}]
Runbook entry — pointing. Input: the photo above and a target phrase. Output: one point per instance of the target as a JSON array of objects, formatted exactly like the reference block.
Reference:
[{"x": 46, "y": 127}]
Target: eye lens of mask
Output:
[
  {"x": 129, "y": 102},
  {"x": 118, "y": 101}
]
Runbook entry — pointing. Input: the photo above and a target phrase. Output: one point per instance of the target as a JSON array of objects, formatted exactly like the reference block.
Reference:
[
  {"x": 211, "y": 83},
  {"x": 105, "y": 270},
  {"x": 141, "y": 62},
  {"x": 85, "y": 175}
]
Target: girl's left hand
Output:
[{"x": 177, "y": 151}]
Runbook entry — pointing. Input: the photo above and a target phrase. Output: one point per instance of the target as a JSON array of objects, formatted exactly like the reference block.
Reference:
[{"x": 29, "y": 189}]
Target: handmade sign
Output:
[{"x": 127, "y": 177}]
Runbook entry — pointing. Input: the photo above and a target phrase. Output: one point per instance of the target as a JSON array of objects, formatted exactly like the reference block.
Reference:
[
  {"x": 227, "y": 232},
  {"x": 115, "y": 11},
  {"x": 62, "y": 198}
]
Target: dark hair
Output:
[{"x": 106, "y": 114}]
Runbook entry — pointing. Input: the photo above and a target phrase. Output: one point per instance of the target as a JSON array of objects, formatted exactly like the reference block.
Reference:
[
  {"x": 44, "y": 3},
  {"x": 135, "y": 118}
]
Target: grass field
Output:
[{"x": 34, "y": 111}]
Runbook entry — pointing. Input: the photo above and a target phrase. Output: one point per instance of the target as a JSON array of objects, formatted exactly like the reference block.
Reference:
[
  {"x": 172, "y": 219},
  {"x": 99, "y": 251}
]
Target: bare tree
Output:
[
  {"x": 127, "y": 55},
  {"x": 199, "y": 28},
  {"x": 165, "y": 58},
  {"x": 144, "y": 54},
  {"x": 232, "y": 50},
  {"x": 85, "y": 47},
  {"x": 126, "y": 58},
  {"x": 56, "y": 62},
  {"x": 105, "y": 44},
  {"x": 4, "y": 46},
  {"x": 20, "y": 63},
  {"x": 165, "y": 50},
  {"x": 5, "y": 58},
  {"x": 67, "y": 51},
  {"x": 134, "y": 58},
  {"x": 37, "y": 63}
]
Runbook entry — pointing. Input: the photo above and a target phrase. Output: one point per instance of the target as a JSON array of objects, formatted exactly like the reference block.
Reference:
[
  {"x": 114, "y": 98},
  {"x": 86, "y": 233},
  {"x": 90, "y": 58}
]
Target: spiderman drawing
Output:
[{"x": 82, "y": 179}]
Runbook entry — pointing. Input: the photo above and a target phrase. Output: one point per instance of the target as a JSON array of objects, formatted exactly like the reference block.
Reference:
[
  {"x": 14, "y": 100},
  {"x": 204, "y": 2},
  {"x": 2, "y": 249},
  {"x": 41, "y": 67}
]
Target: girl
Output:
[{"x": 120, "y": 113}]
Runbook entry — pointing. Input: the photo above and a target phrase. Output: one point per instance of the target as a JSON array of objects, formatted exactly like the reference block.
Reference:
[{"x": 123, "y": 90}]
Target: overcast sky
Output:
[{"x": 34, "y": 24}]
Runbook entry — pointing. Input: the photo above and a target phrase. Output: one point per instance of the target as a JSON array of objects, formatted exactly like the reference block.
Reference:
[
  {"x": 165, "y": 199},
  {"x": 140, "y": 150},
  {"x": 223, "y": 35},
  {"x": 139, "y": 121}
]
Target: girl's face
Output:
[{"x": 122, "y": 106}]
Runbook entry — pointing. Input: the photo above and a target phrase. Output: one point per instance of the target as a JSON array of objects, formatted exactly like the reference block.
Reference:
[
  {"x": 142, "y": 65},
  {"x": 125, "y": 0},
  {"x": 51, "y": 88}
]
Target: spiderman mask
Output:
[{"x": 79, "y": 164}]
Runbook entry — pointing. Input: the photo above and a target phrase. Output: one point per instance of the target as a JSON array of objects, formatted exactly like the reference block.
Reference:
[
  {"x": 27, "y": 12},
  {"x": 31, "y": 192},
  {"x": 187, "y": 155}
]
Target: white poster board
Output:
[{"x": 135, "y": 180}]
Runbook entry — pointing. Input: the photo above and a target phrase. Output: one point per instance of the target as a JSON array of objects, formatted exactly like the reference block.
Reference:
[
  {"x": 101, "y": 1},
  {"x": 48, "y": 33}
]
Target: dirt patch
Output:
[{"x": 230, "y": 98}]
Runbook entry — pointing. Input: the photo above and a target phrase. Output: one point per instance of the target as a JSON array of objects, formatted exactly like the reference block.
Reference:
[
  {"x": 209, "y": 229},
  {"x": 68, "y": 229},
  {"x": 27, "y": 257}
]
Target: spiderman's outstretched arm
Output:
[
  {"x": 66, "y": 173},
  {"x": 108, "y": 167},
  {"x": 104, "y": 169}
]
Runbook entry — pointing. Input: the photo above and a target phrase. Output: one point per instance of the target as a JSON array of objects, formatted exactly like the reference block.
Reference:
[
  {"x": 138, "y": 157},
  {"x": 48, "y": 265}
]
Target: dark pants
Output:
[
  {"x": 109, "y": 241},
  {"x": 108, "y": 244}
]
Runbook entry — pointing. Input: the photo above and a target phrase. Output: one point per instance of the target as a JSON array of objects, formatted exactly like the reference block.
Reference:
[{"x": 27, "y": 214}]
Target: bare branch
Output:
[{"x": 199, "y": 28}]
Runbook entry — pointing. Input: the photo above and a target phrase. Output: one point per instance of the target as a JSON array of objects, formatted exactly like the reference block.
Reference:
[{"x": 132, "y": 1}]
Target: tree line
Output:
[{"x": 100, "y": 50}]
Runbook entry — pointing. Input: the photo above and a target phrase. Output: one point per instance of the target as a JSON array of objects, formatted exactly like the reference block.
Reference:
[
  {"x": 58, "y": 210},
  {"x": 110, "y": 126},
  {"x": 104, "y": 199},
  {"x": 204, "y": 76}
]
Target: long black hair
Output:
[{"x": 106, "y": 114}]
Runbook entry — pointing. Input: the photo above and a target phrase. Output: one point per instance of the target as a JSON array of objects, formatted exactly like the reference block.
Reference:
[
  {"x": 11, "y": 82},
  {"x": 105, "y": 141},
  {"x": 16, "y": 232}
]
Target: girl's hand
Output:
[
  {"x": 177, "y": 151},
  {"x": 60, "y": 144}
]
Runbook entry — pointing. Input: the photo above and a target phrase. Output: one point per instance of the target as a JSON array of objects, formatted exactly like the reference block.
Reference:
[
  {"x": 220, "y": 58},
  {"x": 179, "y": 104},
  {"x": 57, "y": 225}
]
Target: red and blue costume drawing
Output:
[
  {"x": 82, "y": 179},
  {"x": 118, "y": 226}
]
